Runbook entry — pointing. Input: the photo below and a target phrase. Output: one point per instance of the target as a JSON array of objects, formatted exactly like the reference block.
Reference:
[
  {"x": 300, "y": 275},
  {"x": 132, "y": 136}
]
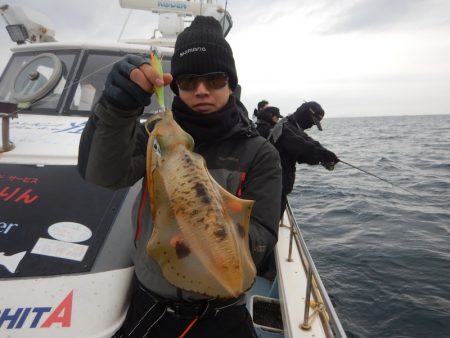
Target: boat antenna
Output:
[
  {"x": 382, "y": 179},
  {"x": 223, "y": 21}
]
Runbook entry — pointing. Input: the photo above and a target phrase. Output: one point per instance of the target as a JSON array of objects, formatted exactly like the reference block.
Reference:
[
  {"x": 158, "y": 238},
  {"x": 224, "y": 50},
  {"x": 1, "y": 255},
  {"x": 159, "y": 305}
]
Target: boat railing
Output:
[
  {"x": 7, "y": 111},
  {"x": 316, "y": 295}
]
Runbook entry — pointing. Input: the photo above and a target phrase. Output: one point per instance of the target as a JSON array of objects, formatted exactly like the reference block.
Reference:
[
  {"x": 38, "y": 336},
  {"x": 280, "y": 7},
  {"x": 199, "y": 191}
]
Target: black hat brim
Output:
[{"x": 317, "y": 122}]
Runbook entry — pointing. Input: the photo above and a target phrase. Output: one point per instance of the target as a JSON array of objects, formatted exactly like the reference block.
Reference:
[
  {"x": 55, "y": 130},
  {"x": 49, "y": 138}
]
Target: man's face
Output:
[{"x": 205, "y": 93}]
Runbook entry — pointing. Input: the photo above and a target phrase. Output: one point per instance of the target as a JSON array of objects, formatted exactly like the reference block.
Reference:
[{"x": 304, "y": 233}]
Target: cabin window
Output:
[
  {"x": 37, "y": 78},
  {"x": 89, "y": 84},
  {"x": 36, "y": 81}
]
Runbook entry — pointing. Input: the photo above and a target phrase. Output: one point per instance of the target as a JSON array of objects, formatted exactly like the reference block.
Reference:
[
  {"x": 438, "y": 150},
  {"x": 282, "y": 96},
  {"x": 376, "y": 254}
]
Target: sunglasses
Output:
[{"x": 190, "y": 82}]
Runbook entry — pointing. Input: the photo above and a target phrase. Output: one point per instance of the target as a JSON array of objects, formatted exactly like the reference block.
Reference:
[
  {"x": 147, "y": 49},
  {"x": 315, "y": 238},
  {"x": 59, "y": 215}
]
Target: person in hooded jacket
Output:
[
  {"x": 112, "y": 154},
  {"x": 267, "y": 119},
  {"x": 261, "y": 105},
  {"x": 295, "y": 146}
]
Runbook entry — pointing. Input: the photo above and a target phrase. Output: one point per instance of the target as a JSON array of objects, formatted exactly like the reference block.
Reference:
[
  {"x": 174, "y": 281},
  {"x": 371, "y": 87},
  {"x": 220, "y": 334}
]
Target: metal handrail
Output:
[
  {"x": 7, "y": 111},
  {"x": 315, "y": 286}
]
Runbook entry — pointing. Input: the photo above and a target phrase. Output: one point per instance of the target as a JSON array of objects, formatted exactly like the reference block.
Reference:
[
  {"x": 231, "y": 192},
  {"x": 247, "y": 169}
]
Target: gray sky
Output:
[{"x": 354, "y": 57}]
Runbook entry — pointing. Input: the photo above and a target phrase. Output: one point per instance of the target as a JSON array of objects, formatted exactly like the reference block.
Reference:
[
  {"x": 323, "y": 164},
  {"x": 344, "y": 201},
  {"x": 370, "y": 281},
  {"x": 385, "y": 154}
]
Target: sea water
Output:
[{"x": 382, "y": 253}]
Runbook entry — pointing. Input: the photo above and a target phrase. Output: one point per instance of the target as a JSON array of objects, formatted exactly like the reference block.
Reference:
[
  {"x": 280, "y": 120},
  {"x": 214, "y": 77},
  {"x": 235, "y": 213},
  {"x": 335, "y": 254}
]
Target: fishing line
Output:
[
  {"x": 382, "y": 179},
  {"x": 124, "y": 25}
]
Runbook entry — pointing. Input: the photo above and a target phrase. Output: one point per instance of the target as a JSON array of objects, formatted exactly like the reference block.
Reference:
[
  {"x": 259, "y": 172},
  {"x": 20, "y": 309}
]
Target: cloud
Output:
[
  {"x": 383, "y": 15},
  {"x": 357, "y": 57}
]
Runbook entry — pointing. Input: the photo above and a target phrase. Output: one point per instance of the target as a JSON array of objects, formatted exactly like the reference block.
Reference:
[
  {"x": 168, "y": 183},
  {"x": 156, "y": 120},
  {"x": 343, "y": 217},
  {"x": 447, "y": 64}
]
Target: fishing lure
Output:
[{"x": 157, "y": 66}]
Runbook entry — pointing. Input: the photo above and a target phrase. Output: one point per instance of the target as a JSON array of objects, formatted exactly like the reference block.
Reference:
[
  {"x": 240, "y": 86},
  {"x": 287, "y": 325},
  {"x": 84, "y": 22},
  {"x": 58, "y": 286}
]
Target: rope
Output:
[
  {"x": 189, "y": 327},
  {"x": 319, "y": 307}
]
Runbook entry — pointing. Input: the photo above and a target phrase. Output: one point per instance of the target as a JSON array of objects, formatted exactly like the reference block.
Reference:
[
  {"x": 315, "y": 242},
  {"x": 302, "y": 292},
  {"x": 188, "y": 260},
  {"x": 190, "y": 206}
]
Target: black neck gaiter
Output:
[{"x": 206, "y": 127}]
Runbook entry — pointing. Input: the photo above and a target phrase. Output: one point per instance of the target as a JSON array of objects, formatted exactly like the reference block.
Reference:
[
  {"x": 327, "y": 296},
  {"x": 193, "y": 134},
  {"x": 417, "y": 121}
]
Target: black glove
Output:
[
  {"x": 328, "y": 159},
  {"x": 119, "y": 90}
]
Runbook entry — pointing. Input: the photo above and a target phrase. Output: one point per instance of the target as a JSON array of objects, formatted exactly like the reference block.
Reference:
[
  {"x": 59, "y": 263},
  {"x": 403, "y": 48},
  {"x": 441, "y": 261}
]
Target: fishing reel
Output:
[{"x": 328, "y": 165}]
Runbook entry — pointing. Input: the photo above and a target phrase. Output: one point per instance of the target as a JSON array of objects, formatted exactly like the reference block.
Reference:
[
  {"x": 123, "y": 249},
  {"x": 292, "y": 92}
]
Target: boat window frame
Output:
[
  {"x": 67, "y": 73},
  {"x": 72, "y": 74},
  {"x": 81, "y": 66},
  {"x": 30, "y": 75}
]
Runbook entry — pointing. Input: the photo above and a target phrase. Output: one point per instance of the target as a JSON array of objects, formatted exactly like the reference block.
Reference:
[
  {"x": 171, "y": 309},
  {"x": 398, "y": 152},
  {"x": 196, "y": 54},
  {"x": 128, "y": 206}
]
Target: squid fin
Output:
[{"x": 240, "y": 211}]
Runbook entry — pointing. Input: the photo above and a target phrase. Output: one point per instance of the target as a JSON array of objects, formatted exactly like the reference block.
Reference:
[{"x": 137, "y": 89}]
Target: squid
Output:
[{"x": 200, "y": 236}]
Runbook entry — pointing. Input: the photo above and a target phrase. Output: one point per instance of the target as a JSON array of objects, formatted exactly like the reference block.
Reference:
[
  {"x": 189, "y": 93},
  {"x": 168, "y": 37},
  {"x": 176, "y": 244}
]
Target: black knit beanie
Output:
[
  {"x": 201, "y": 48},
  {"x": 309, "y": 114}
]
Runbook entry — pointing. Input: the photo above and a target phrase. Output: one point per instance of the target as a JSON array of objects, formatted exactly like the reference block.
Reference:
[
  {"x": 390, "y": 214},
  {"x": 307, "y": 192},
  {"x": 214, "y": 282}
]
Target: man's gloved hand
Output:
[
  {"x": 328, "y": 159},
  {"x": 120, "y": 90}
]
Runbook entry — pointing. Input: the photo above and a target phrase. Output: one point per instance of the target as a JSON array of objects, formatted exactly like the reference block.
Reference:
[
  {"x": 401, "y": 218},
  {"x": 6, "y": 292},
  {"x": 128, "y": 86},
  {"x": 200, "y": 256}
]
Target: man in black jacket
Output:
[
  {"x": 261, "y": 105},
  {"x": 267, "y": 119},
  {"x": 112, "y": 154},
  {"x": 295, "y": 146}
]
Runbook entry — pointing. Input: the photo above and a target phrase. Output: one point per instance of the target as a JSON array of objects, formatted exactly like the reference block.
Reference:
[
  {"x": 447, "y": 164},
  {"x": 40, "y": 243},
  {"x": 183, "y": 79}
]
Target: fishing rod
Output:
[{"x": 382, "y": 179}]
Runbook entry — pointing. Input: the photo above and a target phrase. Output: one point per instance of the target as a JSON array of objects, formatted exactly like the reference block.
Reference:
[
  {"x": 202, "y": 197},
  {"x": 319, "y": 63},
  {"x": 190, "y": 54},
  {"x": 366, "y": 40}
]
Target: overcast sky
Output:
[{"x": 354, "y": 57}]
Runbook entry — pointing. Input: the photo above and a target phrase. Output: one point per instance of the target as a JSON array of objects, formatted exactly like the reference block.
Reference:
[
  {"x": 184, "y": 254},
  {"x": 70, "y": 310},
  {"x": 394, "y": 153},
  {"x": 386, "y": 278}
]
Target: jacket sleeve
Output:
[
  {"x": 112, "y": 147},
  {"x": 300, "y": 147},
  {"x": 263, "y": 185}
]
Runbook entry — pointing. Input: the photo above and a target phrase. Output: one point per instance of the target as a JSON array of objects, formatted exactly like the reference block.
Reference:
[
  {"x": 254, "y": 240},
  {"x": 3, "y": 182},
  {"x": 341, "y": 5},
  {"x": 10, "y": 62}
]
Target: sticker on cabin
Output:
[
  {"x": 66, "y": 235},
  {"x": 69, "y": 232},
  {"x": 59, "y": 249},
  {"x": 11, "y": 262},
  {"x": 6, "y": 227}
]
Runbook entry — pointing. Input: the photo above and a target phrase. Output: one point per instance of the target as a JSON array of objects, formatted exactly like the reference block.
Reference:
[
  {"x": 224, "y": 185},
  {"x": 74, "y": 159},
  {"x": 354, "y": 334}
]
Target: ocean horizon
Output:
[{"x": 344, "y": 116}]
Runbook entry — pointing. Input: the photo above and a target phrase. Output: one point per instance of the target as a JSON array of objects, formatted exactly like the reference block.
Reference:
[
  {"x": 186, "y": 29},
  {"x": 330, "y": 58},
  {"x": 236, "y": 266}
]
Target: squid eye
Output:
[{"x": 156, "y": 147}]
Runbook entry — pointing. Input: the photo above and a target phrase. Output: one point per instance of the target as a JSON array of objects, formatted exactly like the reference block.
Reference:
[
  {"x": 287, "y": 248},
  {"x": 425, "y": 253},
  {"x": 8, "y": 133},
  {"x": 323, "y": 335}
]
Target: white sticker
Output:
[
  {"x": 70, "y": 232},
  {"x": 11, "y": 262},
  {"x": 53, "y": 248}
]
